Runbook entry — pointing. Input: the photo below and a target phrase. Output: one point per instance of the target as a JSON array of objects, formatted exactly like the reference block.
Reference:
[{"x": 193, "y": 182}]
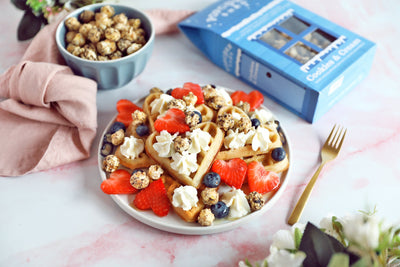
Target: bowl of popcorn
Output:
[{"x": 109, "y": 43}]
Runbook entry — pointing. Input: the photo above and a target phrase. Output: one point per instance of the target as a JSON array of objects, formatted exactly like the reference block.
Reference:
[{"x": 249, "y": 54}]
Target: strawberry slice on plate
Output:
[
  {"x": 232, "y": 172},
  {"x": 188, "y": 87},
  {"x": 261, "y": 180},
  {"x": 173, "y": 122},
  {"x": 254, "y": 98},
  {"x": 125, "y": 109},
  {"x": 118, "y": 183},
  {"x": 153, "y": 197}
]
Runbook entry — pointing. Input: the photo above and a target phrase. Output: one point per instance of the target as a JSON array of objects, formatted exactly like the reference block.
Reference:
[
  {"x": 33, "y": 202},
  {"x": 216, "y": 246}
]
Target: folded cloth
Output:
[{"x": 49, "y": 115}]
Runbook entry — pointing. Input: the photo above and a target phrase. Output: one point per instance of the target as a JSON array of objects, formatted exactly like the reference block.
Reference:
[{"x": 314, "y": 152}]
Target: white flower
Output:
[
  {"x": 326, "y": 225},
  {"x": 282, "y": 257},
  {"x": 362, "y": 229},
  {"x": 284, "y": 239}
]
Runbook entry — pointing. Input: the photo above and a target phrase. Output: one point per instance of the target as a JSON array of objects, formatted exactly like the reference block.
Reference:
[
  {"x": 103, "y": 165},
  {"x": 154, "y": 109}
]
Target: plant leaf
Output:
[
  {"x": 29, "y": 26},
  {"x": 20, "y": 4},
  {"x": 339, "y": 260}
]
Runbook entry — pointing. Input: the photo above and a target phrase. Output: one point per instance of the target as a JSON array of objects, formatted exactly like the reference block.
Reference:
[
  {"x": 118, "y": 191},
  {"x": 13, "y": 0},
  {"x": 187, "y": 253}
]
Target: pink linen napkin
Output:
[{"x": 49, "y": 115}]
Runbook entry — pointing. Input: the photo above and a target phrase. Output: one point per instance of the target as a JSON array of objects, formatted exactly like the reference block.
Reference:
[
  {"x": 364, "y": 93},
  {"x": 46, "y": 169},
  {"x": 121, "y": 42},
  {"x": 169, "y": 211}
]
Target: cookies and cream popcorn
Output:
[
  {"x": 139, "y": 179},
  {"x": 155, "y": 172},
  {"x": 182, "y": 144},
  {"x": 177, "y": 103},
  {"x": 209, "y": 196},
  {"x": 113, "y": 35},
  {"x": 190, "y": 99},
  {"x": 110, "y": 163},
  {"x": 139, "y": 117},
  {"x": 225, "y": 121},
  {"x": 117, "y": 138},
  {"x": 192, "y": 117},
  {"x": 256, "y": 200},
  {"x": 206, "y": 217}
]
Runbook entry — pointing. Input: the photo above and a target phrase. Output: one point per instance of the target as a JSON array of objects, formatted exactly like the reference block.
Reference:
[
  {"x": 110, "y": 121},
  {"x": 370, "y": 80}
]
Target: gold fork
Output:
[{"x": 329, "y": 151}]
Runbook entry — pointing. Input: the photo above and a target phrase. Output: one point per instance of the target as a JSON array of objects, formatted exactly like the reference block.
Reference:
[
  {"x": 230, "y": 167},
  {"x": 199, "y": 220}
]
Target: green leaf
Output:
[
  {"x": 339, "y": 260},
  {"x": 20, "y": 4},
  {"x": 29, "y": 26},
  {"x": 297, "y": 237}
]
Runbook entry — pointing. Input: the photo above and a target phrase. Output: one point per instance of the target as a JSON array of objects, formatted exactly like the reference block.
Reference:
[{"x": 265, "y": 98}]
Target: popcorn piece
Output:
[
  {"x": 78, "y": 40},
  {"x": 110, "y": 163},
  {"x": 94, "y": 35},
  {"x": 133, "y": 48},
  {"x": 116, "y": 55},
  {"x": 106, "y": 47},
  {"x": 225, "y": 121},
  {"x": 216, "y": 102},
  {"x": 155, "y": 172},
  {"x": 117, "y": 138},
  {"x": 135, "y": 23},
  {"x": 86, "y": 16},
  {"x": 256, "y": 200},
  {"x": 120, "y": 18},
  {"x": 139, "y": 179},
  {"x": 192, "y": 118},
  {"x": 72, "y": 24},
  {"x": 112, "y": 34},
  {"x": 102, "y": 20},
  {"x": 130, "y": 34},
  {"x": 190, "y": 99},
  {"x": 139, "y": 117},
  {"x": 75, "y": 50},
  {"x": 206, "y": 217},
  {"x": 243, "y": 125},
  {"x": 182, "y": 144},
  {"x": 209, "y": 92},
  {"x": 89, "y": 54},
  {"x": 177, "y": 103},
  {"x": 245, "y": 106},
  {"x": 210, "y": 196},
  {"x": 69, "y": 37},
  {"x": 108, "y": 10},
  {"x": 85, "y": 28},
  {"x": 123, "y": 44}
]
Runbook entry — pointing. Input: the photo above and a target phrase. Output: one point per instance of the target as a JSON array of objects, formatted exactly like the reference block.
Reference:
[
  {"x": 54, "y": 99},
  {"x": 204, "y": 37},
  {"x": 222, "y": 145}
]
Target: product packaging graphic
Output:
[{"x": 301, "y": 60}]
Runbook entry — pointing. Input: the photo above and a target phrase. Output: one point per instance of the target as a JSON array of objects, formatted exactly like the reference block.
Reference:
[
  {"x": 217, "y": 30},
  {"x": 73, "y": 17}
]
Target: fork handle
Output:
[{"x": 301, "y": 203}]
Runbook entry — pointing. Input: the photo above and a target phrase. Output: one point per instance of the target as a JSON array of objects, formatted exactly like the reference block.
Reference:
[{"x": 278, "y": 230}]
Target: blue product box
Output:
[{"x": 299, "y": 59}]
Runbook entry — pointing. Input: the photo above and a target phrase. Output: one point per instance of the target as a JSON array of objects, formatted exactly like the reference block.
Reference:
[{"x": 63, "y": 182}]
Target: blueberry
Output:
[
  {"x": 278, "y": 154},
  {"x": 116, "y": 126},
  {"x": 255, "y": 122},
  {"x": 142, "y": 130},
  {"x": 106, "y": 149},
  {"x": 169, "y": 91},
  {"x": 212, "y": 179},
  {"x": 199, "y": 114},
  {"x": 220, "y": 210}
]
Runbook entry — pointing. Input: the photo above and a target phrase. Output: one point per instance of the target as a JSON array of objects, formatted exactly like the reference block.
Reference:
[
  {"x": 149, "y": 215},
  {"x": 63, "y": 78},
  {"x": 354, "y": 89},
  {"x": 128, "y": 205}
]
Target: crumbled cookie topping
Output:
[
  {"x": 243, "y": 124},
  {"x": 139, "y": 179},
  {"x": 110, "y": 163},
  {"x": 206, "y": 217},
  {"x": 209, "y": 92},
  {"x": 256, "y": 200},
  {"x": 190, "y": 99},
  {"x": 182, "y": 144},
  {"x": 216, "y": 102},
  {"x": 209, "y": 196},
  {"x": 155, "y": 172}
]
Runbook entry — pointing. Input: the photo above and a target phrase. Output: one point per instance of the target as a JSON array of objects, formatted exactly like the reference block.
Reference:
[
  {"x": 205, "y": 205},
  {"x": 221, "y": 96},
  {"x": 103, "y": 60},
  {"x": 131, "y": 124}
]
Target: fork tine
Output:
[
  {"x": 342, "y": 139},
  {"x": 328, "y": 140}
]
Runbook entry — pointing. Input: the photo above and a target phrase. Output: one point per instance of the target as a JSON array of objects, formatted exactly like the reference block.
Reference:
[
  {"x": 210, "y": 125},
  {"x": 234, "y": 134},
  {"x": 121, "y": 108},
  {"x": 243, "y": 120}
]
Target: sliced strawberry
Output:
[
  {"x": 261, "y": 180},
  {"x": 232, "y": 172},
  {"x": 254, "y": 98},
  {"x": 179, "y": 93},
  {"x": 153, "y": 197},
  {"x": 125, "y": 109},
  {"x": 173, "y": 122},
  {"x": 118, "y": 183}
]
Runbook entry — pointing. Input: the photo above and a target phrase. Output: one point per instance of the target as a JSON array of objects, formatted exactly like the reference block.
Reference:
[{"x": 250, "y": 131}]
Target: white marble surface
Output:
[{"x": 60, "y": 217}]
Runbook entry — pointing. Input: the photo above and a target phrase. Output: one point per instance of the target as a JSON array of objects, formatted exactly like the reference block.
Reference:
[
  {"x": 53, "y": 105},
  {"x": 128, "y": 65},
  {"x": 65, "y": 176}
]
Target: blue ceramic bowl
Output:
[{"x": 113, "y": 73}]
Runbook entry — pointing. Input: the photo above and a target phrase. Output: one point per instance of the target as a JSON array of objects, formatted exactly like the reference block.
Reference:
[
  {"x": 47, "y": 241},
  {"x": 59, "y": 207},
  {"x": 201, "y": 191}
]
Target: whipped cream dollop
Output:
[
  {"x": 200, "y": 140},
  {"x": 184, "y": 163},
  {"x": 160, "y": 105},
  {"x": 263, "y": 115},
  {"x": 260, "y": 139},
  {"x": 236, "y": 200},
  {"x": 235, "y": 139},
  {"x": 165, "y": 144},
  {"x": 185, "y": 197},
  {"x": 132, "y": 147}
]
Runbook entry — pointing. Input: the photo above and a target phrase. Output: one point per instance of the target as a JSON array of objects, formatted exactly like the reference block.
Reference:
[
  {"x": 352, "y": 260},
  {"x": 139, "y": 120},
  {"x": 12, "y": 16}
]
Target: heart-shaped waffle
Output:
[
  {"x": 269, "y": 163},
  {"x": 204, "y": 158},
  {"x": 142, "y": 161},
  {"x": 247, "y": 150},
  {"x": 147, "y": 109}
]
